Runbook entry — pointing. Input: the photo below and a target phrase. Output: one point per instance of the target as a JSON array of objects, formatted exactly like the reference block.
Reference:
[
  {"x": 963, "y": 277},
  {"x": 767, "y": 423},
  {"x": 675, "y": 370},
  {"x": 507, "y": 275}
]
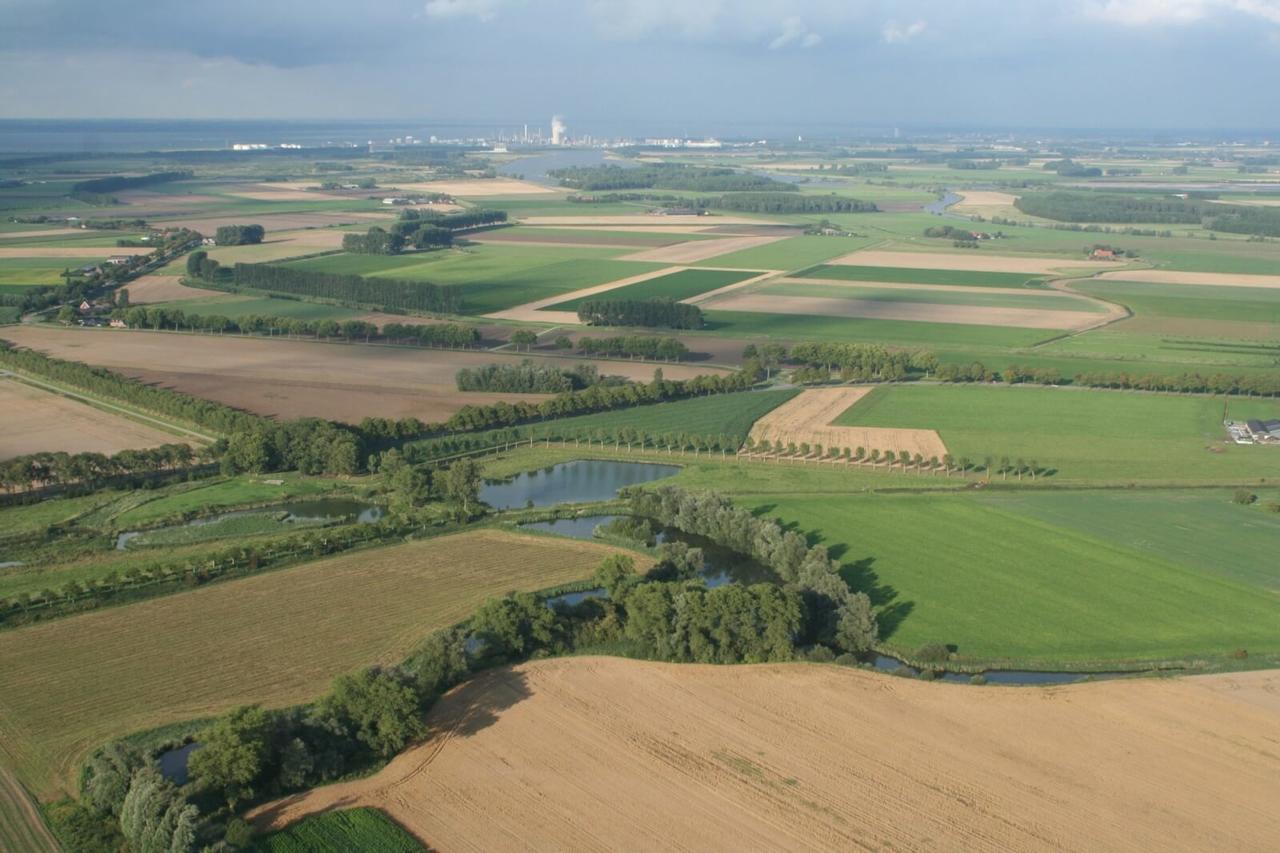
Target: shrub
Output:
[
  {"x": 1244, "y": 497},
  {"x": 933, "y": 653}
]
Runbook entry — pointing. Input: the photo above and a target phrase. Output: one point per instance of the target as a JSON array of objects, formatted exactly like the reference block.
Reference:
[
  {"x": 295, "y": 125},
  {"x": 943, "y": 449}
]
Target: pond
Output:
[
  {"x": 302, "y": 513},
  {"x": 719, "y": 565},
  {"x": 173, "y": 764},
  {"x": 1001, "y": 676},
  {"x": 582, "y": 481}
]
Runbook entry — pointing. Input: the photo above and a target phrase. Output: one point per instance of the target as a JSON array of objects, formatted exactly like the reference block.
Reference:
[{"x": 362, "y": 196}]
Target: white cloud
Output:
[
  {"x": 1136, "y": 13},
  {"x": 481, "y": 10},
  {"x": 794, "y": 32},
  {"x": 895, "y": 33}
]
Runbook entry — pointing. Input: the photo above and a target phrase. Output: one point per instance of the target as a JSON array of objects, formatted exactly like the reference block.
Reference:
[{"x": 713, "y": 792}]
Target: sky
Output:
[{"x": 698, "y": 66}]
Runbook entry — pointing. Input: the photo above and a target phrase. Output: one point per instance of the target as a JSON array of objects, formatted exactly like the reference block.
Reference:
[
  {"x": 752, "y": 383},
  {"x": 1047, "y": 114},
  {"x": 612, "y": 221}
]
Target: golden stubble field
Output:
[
  {"x": 276, "y": 638},
  {"x": 808, "y": 417},
  {"x": 613, "y": 754},
  {"x": 293, "y": 378},
  {"x": 33, "y": 420}
]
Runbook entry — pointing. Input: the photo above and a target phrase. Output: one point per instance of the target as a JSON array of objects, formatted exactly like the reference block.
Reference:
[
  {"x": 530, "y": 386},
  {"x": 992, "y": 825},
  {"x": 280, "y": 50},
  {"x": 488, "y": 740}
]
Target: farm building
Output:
[
  {"x": 1264, "y": 430},
  {"x": 118, "y": 259}
]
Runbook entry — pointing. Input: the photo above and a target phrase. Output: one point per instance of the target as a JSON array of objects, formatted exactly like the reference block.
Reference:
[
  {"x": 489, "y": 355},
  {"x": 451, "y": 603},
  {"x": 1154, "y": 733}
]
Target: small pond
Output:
[
  {"x": 314, "y": 512},
  {"x": 582, "y": 481},
  {"x": 1001, "y": 676},
  {"x": 173, "y": 764}
]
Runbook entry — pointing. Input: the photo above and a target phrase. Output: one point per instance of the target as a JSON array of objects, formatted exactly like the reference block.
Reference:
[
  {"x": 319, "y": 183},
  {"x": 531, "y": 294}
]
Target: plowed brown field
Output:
[
  {"x": 612, "y": 754},
  {"x": 33, "y": 420},
  {"x": 808, "y": 417}
]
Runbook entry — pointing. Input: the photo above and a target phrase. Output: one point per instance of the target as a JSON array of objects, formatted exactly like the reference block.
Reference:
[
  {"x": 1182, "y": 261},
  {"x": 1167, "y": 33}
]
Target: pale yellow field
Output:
[
  {"x": 698, "y": 250},
  {"x": 164, "y": 288},
  {"x": 642, "y": 220},
  {"x": 33, "y": 420},
  {"x": 70, "y": 251},
  {"x": 613, "y": 754},
  {"x": 808, "y": 417},
  {"x": 979, "y": 261},
  {"x": 986, "y": 203},
  {"x": 277, "y": 638},
  {"x": 1207, "y": 278}
]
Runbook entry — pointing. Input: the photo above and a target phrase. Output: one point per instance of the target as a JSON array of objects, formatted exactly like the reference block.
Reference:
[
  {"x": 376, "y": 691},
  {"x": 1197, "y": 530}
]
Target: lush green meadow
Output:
[
  {"x": 1187, "y": 301},
  {"x": 1086, "y": 435},
  {"x": 1000, "y": 585},
  {"x": 1202, "y": 529},
  {"x": 789, "y": 254},
  {"x": 363, "y": 829},
  {"x": 905, "y": 275},
  {"x": 237, "y": 306},
  {"x": 34, "y": 271},
  {"x": 677, "y": 286}
]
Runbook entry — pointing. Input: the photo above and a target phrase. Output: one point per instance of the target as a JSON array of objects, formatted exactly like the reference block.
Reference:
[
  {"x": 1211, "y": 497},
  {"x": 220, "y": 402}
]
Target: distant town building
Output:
[{"x": 118, "y": 259}]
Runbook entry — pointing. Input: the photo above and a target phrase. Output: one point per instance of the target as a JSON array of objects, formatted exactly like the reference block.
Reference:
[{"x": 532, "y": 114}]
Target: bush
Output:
[
  {"x": 933, "y": 653},
  {"x": 1244, "y": 497},
  {"x": 979, "y": 679},
  {"x": 820, "y": 654},
  {"x": 847, "y": 659}
]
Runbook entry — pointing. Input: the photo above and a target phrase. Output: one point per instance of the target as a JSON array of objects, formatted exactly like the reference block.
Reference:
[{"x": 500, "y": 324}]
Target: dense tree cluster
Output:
[
  {"x": 666, "y": 176},
  {"x": 653, "y": 313},
  {"x": 99, "y": 190},
  {"x": 162, "y": 317},
  {"x": 377, "y": 241},
  {"x": 864, "y": 362},
  {"x": 836, "y": 616},
  {"x": 634, "y": 346},
  {"x": 527, "y": 377},
  {"x": 239, "y": 235},
  {"x": 446, "y": 335},
  {"x": 59, "y": 469},
  {"x": 379, "y": 292},
  {"x": 309, "y": 445},
  {"x": 776, "y": 202},
  {"x": 1069, "y": 168},
  {"x": 1100, "y": 207}
]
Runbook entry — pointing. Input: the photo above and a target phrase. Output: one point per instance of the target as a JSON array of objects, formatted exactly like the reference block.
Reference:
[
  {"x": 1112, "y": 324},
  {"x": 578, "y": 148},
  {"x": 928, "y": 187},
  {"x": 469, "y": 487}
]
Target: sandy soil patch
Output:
[
  {"x": 70, "y": 251},
  {"x": 480, "y": 188},
  {"x": 293, "y": 378},
  {"x": 164, "y": 288},
  {"x": 699, "y": 250},
  {"x": 1206, "y": 278},
  {"x": 532, "y": 312},
  {"x": 978, "y": 261},
  {"x": 808, "y": 418},
  {"x": 612, "y": 754},
  {"x": 641, "y": 220},
  {"x": 868, "y": 309},
  {"x": 43, "y": 232},
  {"x": 33, "y": 420}
]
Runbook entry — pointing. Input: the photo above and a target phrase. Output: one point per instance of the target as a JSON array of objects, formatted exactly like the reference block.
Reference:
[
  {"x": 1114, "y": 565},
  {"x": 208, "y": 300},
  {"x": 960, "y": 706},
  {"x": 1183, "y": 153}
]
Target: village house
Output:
[{"x": 1103, "y": 255}]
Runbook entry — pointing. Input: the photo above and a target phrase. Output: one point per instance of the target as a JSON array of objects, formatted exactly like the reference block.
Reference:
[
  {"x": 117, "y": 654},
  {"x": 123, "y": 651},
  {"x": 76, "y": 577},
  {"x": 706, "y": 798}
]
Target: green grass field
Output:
[
  {"x": 750, "y": 324},
  {"x": 677, "y": 285},
  {"x": 903, "y": 275},
  {"x": 1185, "y": 301},
  {"x": 237, "y": 306},
  {"x": 494, "y": 277},
  {"x": 789, "y": 254},
  {"x": 1001, "y": 585},
  {"x": 1201, "y": 529},
  {"x": 34, "y": 271},
  {"x": 1087, "y": 435},
  {"x": 993, "y": 299},
  {"x": 363, "y": 829}
]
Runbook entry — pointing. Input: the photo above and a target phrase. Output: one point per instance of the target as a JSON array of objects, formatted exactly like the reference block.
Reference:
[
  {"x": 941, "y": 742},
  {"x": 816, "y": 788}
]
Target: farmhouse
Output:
[
  {"x": 1267, "y": 431},
  {"x": 1103, "y": 255},
  {"x": 118, "y": 259}
]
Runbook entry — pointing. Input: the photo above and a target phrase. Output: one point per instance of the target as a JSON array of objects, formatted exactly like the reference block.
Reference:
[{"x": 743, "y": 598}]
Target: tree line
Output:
[
  {"x": 527, "y": 377},
  {"x": 1101, "y": 207},
  {"x": 380, "y": 292},
  {"x": 666, "y": 176},
  {"x": 653, "y": 313},
  {"x": 864, "y": 362},
  {"x": 98, "y": 190},
  {"x": 776, "y": 202},
  {"x": 634, "y": 346},
  {"x": 60, "y": 469},
  {"x": 239, "y": 235},
  {"x": 1260, "y": 384}
]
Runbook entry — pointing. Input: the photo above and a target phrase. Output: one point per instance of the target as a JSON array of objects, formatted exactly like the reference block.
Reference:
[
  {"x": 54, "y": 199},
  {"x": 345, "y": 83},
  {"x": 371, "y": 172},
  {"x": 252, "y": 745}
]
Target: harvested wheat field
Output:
[
  {"x": 920, "y": 312},
  {"x": 1206, "y": 278},
  {"x": 43, "y": 232},
  {"x": 808, "y": 418},
  {"x": 33, "y": 420},
  {"x": 69, "y": 251},
  {"x": 986, "y": 203},
  {"x": 975, "y": 261},
  {"x": 164, "y": 288},
  {"x": 281, "y": 636},
  {"x": 699, "y": 250},
  {"x": 274, "y": 222},
  {"x": 613, "y": 754},
  {"x": 295, "y": 378},
  {"x": 641, "y": 220}
]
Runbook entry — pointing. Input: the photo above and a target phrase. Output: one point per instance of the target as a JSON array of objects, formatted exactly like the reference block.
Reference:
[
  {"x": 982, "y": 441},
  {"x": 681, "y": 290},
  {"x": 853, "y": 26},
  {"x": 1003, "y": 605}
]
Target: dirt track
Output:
[
  {"x": 293, "y": 378},
  {"x": 979, "y": 261},
  {"x": 611, "y": 754},
  {"x": 32, "y": 420},
  {"x": 808, "y": 418}
]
